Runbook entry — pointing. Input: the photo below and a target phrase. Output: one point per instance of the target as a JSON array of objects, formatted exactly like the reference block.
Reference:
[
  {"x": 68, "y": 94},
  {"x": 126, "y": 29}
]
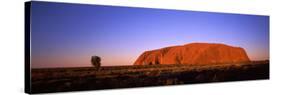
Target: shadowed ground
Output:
[{"x": 87, "y": 78}]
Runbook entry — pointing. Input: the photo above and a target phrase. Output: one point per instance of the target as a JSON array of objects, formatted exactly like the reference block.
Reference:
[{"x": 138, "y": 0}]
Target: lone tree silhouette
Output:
[{"x": 96, "y": 62}]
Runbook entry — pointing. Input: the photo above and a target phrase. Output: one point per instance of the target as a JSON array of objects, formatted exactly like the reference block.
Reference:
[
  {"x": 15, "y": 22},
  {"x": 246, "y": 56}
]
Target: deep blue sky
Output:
[{"x": 66, "y": 35}]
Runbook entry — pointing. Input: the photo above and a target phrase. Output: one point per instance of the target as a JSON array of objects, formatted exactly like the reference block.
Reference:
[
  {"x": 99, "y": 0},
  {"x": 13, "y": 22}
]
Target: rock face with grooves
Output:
[{"x": 194, "y": 53}]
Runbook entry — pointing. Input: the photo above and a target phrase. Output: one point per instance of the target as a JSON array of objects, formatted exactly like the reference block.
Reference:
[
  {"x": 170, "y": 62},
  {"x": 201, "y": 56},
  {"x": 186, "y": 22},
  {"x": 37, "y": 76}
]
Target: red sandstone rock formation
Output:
[{"x": 194, "y": 53}]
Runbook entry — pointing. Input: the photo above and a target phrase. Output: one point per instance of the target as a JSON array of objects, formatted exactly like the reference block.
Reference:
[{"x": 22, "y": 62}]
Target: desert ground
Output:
[{"x": 47, "y": 80}]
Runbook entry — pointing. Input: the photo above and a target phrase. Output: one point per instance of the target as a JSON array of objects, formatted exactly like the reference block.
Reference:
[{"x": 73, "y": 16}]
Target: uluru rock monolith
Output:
[{"x": 194, "y": 53}]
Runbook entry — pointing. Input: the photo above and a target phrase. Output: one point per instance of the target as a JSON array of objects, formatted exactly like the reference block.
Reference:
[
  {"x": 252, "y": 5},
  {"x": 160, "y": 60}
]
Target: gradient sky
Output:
[{"x": 67, "y": 35}]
